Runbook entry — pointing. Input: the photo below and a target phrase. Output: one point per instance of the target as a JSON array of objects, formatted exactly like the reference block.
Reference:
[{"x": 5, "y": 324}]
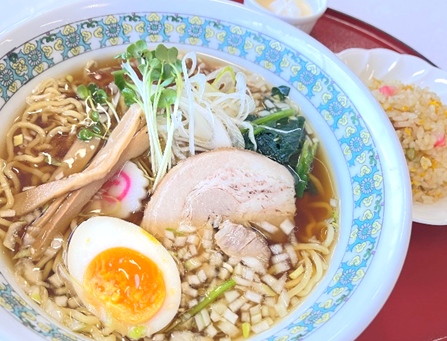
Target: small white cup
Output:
[{"x": 305, "y": 23}]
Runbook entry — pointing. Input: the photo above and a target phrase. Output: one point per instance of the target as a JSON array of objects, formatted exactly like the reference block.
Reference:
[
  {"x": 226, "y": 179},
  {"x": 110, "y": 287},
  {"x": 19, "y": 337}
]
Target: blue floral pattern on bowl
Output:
[{"x": 37, "y": 55}]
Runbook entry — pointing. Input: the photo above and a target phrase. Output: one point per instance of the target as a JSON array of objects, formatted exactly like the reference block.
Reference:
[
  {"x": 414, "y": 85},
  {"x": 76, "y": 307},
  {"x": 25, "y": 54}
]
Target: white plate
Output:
[
  {"x": 386, "y": 65},
  {"x": 365, "y": 155}
]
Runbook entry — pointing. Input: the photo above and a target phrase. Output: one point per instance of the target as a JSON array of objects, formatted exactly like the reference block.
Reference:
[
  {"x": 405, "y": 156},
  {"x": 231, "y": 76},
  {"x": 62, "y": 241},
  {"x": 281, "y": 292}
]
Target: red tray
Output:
[
  {"x": 339, "y": 32},
  {"x": 417, "y": 307}
]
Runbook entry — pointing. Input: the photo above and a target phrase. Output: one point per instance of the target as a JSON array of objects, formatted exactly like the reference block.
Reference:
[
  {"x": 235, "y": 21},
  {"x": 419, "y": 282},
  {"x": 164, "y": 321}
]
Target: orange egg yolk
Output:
[{"x": 128, "y": 284}]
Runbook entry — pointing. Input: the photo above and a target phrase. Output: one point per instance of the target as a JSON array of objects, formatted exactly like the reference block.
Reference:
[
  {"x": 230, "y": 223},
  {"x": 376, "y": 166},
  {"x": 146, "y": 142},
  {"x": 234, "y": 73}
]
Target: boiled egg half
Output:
[{"x": 124, "y": 276}]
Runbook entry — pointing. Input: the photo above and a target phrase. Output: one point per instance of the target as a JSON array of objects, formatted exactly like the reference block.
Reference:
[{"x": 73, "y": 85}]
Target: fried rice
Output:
[{"x": 420, "y": 121}]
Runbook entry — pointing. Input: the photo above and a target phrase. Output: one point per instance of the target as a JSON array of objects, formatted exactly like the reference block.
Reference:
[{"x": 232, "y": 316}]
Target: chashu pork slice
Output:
[
  {"x": 243, "y": 242},
  {"x": 233, "y": 184}
]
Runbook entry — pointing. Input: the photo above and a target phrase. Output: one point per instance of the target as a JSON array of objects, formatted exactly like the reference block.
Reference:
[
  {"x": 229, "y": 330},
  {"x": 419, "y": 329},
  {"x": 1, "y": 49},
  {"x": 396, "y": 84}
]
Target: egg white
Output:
[{"x": 98, "y": 234}]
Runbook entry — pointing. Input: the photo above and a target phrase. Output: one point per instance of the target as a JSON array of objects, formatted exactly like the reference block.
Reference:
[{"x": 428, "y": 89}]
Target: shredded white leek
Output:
[{"x": 211, "y": 118}]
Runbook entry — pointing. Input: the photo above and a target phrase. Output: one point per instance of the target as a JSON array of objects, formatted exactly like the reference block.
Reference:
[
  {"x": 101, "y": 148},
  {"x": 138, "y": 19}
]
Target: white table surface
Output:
[{"x": 420, "y": 24}]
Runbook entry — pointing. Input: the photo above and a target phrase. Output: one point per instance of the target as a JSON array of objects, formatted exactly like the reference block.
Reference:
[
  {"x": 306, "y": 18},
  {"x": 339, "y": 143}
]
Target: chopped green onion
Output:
[
  {"x": 176, "y": 232},
  {"x": 192, "y": 264},
  {"x": 246, "y": 329},
  {"x": 36, "y": 297},
  {"x": 411, "y": 154},
  {"x": 137, "y": 332},
  {"x": 210, "y": 297}
]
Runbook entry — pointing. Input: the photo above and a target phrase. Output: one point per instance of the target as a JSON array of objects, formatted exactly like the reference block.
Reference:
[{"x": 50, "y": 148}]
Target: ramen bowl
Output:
[{"x": 366, "y": 163}]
